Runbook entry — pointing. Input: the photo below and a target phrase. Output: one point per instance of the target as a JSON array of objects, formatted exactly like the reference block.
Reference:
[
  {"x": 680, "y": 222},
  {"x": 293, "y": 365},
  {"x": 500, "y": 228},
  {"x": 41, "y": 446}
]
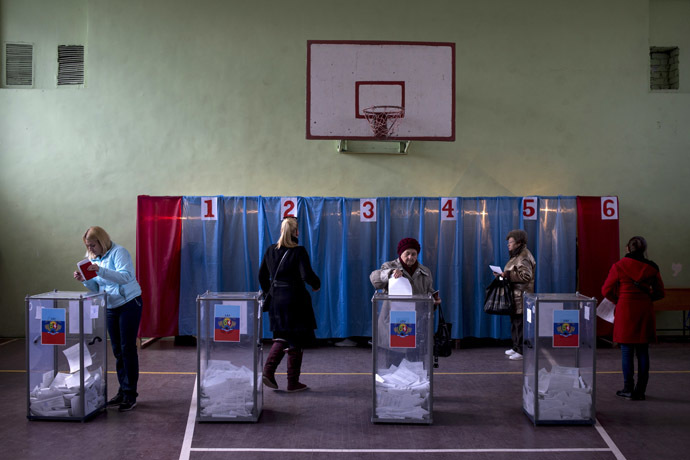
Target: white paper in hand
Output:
[
  {"x": 399, "y": 286},
  {"x": 605, "y": 310},
  {"x": 495, "y": 269}
]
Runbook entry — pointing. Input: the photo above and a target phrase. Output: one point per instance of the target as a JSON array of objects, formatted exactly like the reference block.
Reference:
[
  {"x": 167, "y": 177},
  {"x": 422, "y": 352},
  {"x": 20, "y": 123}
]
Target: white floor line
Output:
[
  {"x": 395, "y": 451},
  {"x": 189, "y": 431},
  {"x": 609, "y": 442},
  {"x": 9, "y": 341}
]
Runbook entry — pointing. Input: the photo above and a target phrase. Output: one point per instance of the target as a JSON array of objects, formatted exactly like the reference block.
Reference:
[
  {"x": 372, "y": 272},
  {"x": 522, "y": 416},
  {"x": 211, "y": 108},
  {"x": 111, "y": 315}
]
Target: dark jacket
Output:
[
  {"x": 632, "y": 284},
  {"x": 289, "y": 306}
]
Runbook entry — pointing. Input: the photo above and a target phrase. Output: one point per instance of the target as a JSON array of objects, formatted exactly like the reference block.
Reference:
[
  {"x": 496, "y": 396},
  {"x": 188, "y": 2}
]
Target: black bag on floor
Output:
[
  {"x": 443, "y": 343},
  {"x": 499, "y": 297}
]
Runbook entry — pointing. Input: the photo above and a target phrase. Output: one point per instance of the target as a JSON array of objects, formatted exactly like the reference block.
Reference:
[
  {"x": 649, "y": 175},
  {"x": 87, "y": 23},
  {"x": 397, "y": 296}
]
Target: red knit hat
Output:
[{"x": 408, "y": 243}]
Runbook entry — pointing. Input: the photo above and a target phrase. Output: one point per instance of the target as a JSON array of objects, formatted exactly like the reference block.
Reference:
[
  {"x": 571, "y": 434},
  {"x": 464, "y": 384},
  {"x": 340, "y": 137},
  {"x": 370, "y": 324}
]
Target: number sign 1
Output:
[
  {"x": 209, "y": 208},
  {"x": 288, "y": 207},
  {"x": 609, "y": 208},
  {"x": 530, "y": 206},
  {"x": 367, "y": 209},
  {"x": 449, "y": 209}
]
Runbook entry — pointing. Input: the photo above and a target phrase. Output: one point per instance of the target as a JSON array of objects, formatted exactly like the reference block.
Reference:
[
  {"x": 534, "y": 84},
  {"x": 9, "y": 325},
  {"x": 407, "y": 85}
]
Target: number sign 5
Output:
[
  {"x": 209, "y": 208},
  {"x": 367, "y": 209},
  {"x": 609, "y": 208},
  {"x": 288, "y": 207},
  {"x": 530, "y": 207}
]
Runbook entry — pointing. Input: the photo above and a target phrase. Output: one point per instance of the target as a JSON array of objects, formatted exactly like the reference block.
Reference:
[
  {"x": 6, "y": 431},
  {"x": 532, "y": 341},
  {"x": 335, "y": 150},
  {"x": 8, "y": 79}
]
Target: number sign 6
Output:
[
  {"x": 530, "y": 207},
  {"x": 367, "y": 209},
  {"x": 609, "y": 208},
  {"x": 288, "y": 207}
]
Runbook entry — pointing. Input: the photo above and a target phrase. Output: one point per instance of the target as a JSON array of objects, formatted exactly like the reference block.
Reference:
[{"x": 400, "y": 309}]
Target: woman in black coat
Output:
[{"x": 284, "y": 270}]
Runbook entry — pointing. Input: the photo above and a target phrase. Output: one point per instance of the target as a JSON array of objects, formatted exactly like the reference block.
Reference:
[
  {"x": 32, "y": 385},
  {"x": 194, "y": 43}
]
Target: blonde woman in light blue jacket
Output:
[{"x": 116, "y": 277}]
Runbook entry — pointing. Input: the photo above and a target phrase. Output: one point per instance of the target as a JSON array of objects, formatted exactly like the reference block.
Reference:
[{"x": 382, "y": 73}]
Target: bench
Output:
[{"x": 676, "y": 299}]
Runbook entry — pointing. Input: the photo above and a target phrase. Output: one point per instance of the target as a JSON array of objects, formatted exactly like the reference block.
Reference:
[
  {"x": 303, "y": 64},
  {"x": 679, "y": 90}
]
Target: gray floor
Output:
[{"x": 477, "y": 413}]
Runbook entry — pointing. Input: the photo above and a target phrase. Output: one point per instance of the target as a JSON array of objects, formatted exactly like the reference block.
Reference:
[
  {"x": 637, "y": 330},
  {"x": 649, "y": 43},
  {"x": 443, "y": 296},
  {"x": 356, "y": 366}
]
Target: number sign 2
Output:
[
  {"x": 609, "y": 208},
  {"x": 209, "y": 208},
  {"x": 367, "y": 209},
  {"x": 288, "y": 207},
  {"x": 530, "y": 207},
  {"x": 449, "y": 209}
]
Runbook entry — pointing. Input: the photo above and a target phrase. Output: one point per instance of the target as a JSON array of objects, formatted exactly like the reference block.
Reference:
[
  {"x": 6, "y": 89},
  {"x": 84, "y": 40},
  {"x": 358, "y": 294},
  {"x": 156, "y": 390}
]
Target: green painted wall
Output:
[{"x": 207, "y": 97}]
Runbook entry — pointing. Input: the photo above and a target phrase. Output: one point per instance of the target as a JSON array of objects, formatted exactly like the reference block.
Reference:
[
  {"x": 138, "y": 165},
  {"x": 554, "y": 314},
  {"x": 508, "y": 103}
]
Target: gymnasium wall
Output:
[{"x": 208, "y": 98}]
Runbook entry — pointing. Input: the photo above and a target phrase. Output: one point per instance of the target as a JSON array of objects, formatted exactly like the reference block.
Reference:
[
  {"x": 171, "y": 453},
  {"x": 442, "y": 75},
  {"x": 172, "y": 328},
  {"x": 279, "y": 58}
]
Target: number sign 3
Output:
[{"x": 367, "y": 210}]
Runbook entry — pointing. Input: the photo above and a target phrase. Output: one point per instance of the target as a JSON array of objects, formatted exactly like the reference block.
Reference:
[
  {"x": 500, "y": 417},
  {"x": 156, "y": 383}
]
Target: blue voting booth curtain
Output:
[{"x": 224, "y": 255}]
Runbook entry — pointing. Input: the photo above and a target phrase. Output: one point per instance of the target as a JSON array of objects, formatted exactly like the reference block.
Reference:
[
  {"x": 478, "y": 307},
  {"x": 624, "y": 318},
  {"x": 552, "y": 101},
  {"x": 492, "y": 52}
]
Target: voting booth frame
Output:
[
  {"x": 559, "y": 359},
  {"x": 60, "y": 387},
  {"x": 402, "y": 359},
  {"x": 229, "y": 357}
]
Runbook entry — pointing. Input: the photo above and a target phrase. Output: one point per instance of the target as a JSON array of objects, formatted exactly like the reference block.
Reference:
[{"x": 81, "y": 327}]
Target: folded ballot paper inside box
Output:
[
  {"x": 402, "y": 391},
  {"x": 226, "y": 390}
]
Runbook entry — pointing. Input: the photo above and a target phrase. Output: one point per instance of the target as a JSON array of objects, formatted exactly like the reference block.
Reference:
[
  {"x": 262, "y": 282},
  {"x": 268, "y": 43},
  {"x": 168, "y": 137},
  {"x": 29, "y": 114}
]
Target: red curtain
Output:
[
  {"x": 159, "y": 239},
  {"x": 598, "y": 248}
]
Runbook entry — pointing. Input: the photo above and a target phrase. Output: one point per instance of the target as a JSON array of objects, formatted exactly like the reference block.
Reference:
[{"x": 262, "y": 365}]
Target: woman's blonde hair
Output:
[
  {"x": 100, "y": 235},
  {"x": 287, "y": 232}
]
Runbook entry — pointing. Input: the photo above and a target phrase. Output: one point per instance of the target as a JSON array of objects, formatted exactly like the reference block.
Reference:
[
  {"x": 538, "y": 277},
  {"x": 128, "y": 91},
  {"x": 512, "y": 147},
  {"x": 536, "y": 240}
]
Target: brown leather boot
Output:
[
  {"x": 272, "y": 360},
  {"x": 294, "y": 369}
]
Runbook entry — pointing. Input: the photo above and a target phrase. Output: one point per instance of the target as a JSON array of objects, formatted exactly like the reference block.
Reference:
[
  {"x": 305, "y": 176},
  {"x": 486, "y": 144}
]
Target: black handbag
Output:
[
  {"x": 499, "y": 297},
  {"x": 443, "y": 343}
]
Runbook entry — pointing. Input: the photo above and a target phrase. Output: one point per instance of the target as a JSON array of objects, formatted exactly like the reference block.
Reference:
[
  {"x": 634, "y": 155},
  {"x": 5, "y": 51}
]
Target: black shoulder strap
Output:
[{"x": 273, "y": 280}]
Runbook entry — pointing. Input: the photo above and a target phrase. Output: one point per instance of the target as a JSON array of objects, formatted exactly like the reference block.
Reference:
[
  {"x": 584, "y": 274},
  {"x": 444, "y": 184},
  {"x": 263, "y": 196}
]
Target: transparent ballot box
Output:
[
  {"x": 402, "y": 352},
  {"x": 559, "y": 363},
  {"x": 66, "y": 355},
  {"x": 229, "y": 357}
]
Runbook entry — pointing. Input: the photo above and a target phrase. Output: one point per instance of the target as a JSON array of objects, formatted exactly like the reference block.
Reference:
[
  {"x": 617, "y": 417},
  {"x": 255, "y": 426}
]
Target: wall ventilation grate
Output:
[
  {"x": 70, "y": 65},
  {"x": 19, "y": 64}
]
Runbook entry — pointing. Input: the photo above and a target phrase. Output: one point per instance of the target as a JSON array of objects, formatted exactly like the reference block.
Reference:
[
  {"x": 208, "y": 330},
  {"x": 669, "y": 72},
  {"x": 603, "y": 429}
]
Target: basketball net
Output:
[{"x": 383, "y": 119}]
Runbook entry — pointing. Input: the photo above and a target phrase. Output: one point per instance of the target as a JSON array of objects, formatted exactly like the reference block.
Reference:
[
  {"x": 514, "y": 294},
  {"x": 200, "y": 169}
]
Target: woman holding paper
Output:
[
  {"x": 633, "y": 283},
  {"x": 284, "y": 270},
  {"x": 116, "y": 277},
  {"x": 407, "y": 266},
  {"x": 520, "y": 271}
]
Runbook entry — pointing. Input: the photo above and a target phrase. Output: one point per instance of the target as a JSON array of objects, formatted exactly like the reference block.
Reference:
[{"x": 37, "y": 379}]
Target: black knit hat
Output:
[{"x": 408, "y": 243}]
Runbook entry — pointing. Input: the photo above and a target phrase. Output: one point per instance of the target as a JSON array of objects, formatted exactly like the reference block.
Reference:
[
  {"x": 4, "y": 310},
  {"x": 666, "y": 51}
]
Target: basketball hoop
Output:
[{"x": 383, "y": 119}]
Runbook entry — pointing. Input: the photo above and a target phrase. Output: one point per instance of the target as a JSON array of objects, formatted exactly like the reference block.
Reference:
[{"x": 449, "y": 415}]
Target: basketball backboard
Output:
[{"x": 346, "y": 77}]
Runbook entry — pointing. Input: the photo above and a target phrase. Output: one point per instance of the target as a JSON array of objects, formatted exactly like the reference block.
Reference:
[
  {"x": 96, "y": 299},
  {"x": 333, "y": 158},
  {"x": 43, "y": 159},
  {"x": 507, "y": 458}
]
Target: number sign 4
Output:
[{"x": 449, "y": 209}]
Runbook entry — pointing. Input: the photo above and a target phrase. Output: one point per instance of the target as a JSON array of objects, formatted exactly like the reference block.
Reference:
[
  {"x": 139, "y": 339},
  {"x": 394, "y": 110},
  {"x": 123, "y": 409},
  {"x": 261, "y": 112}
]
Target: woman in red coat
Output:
[{"x": 633, "y": 283}]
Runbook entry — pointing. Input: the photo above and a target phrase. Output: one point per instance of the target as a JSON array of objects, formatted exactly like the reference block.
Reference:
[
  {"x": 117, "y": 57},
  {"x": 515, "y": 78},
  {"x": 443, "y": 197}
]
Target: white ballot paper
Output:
[
  {"x": 399, "y": 286},
  {"x": 495, "y": 269},
  {"x": 72, "y": 355},
  {"x": 606, "y": 309}
]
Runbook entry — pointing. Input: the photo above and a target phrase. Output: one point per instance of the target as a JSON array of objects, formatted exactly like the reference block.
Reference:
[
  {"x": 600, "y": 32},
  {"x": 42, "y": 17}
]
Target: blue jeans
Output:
[
  {"x": 123, "y": 327},
  {"x": 629, "y": 350}
]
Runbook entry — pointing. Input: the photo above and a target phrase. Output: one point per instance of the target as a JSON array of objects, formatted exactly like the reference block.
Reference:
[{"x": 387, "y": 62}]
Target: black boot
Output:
[
  {"x": 272, "y": 360},
  {"x": 294, "y": 369}
]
